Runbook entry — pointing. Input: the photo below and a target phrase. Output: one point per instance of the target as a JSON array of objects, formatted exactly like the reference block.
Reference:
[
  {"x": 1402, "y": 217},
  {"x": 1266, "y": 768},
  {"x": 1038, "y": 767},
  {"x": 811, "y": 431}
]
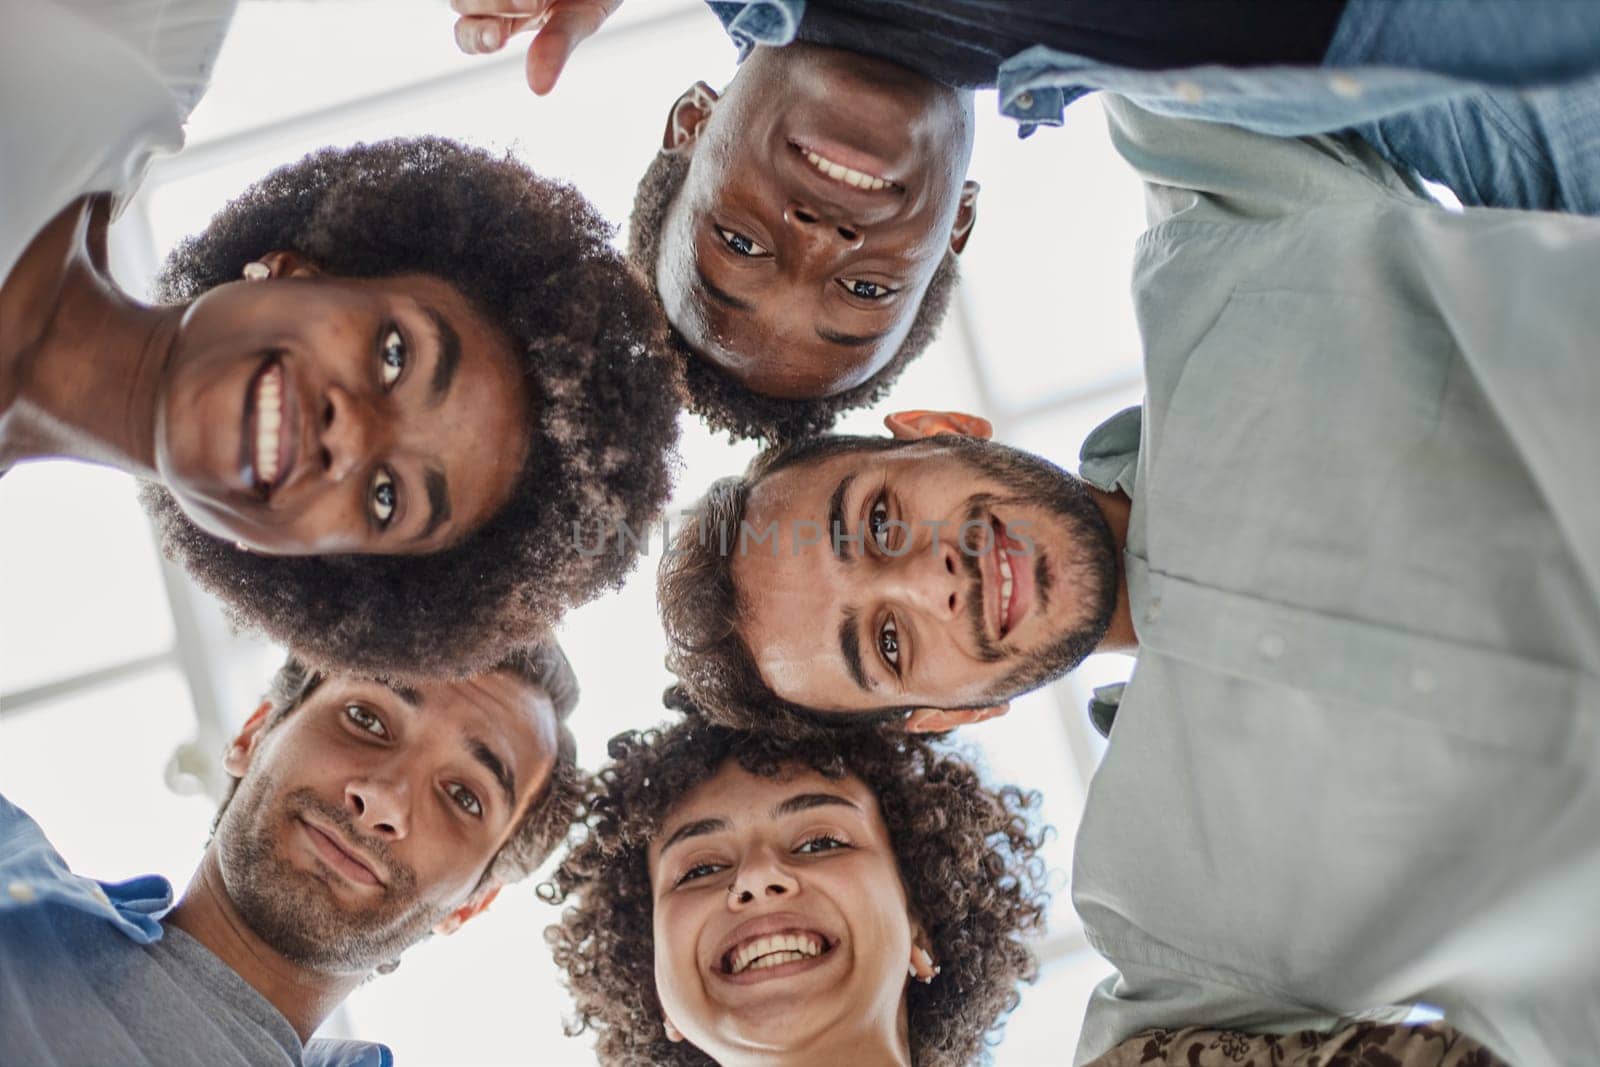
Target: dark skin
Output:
[
  {"x": 420, "y": 806},
  {"x": 298, "y": 414},
  {"x": 798, "y": 281},
  {"x": 798, "y": 275}
]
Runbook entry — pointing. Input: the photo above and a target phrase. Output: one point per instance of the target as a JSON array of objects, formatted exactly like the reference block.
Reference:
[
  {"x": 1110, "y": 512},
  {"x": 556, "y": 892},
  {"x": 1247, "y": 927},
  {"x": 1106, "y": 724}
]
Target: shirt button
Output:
[
  {"x": 21, "y": 892},
  {"x": 1189, "y": 91},
  {"x": 1271, "y": 646},
  {"x": 1345, "y": 85},
  {"x": 1024, "y": 100},
  {"x": 1423, "y": 681},
  {"x": 100, "y": 895},
  {"x": 1152, "y": 611}
]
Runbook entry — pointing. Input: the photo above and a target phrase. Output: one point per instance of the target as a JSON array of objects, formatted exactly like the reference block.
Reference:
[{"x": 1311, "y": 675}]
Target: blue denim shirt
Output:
[
  {"x": 1037, "y": 85},
  {"x": 35, "y": 883}
]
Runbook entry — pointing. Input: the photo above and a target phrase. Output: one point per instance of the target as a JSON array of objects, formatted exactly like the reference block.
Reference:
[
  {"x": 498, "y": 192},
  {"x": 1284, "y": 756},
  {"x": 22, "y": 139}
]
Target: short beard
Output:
[
  {"x": 1088, "y": 565},
  {"x": 291, "y": 910}
]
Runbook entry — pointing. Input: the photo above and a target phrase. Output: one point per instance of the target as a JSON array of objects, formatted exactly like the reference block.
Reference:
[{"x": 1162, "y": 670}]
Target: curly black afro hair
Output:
[
  {"x": 721, "y": 400},
  {"x": 967, "y": 856},
  {"x": 534, "y": 258}
]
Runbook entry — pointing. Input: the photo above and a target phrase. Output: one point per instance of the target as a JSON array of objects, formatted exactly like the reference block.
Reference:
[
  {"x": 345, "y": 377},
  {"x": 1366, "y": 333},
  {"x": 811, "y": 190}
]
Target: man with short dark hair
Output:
[
  {"x": 1352, "y": 537},
  {"x": 801, "y": 229},
  {"x": 363, "y": 815}
]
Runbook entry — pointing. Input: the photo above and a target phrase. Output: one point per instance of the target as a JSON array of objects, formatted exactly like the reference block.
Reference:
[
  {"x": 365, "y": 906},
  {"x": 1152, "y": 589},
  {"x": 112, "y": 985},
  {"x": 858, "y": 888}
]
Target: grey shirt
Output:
[
  {"x": 1357, "y": 766},
  {"x": 76, "y": 990}
]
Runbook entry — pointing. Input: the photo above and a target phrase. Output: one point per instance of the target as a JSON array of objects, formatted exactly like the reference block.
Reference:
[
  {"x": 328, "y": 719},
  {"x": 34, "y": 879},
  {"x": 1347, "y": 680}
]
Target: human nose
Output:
[
  {"x": 761, "y": 877},
  {"x": 346, "y": 432},
  {"x": 822, "y": 226},
  {"x": 929, "y": 579},
  {"x": 381, "y": 804}
]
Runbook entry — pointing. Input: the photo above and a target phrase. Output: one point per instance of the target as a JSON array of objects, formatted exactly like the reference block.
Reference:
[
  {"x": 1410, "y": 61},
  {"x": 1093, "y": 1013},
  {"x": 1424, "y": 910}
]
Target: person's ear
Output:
[
  {"x": 476, "y": 904},
  {"x": 673, "y": 1033},
  {"x": 288, "y": 265},
  {"x": 236, "y": 757},
  {"x": 688, "y": 117},
  {"x": 966, "y": 216},
  {"x": 938, "y": 720},
  {"x": 911, "y": 425}
]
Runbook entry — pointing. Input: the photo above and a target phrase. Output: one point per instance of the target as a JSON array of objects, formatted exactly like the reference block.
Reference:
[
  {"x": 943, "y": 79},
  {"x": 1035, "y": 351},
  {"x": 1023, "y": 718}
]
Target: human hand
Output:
[{"x": 558, "y": 27}]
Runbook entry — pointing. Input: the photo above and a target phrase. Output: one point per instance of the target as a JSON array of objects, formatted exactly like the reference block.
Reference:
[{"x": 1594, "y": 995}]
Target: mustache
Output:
[{"x": 401, "y": 879}]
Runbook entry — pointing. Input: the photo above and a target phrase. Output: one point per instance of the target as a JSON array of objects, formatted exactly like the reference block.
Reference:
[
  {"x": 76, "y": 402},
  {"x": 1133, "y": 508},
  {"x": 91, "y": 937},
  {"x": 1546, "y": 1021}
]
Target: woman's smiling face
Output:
[
  {"x": 780, "y": 915},
  {"x": 310, "y": 415}
]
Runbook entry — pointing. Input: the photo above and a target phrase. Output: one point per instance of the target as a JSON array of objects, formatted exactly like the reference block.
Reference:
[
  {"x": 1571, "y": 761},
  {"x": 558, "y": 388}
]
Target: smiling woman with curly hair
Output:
[{"x": 739, "y": 897}]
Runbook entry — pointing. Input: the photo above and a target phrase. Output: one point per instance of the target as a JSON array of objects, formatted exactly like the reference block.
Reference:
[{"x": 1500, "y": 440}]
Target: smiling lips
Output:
[
  {"x": 773, "y": 950},
  {"x": 268, "y": 428},
  {"x": 1016, "y": 584},
  {"x": 841, "y": 173},
  {"x": 341, "y": 858}
]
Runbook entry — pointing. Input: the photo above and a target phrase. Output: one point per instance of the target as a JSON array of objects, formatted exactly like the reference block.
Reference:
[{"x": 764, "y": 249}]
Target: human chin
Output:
[{"x": 308, "y": 913}]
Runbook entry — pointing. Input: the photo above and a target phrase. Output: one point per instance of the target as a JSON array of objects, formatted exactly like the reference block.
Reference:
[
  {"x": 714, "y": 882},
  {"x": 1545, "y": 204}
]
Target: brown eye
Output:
[
  {"x": 889, "y": 643},
  {"x": 465, "y": 799},
  {"x": 383, "y": 497},
  {"x": 392, "y": 358},
  {"x": 741, "y": 244},
  {"x": 364, "y": 719},
  {"x": 865, "y": 290}
]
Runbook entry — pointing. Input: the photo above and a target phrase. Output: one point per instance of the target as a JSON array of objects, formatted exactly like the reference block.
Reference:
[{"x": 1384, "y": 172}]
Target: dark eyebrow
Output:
[
  {"x": 721, "y": 296},
  {"x": 444, "y": 368},
  {"x": 850, "y": 645},
  {"x": 806, "y": 801},
  {"x": 836, "y": 522},
  {"x": 497, "y": 767},
  {"x": 438, "y": 502},
  {"x": 404, "y": 692},
  {"x": 850, "y": 340},
  {"x": 694, "y": 829}
]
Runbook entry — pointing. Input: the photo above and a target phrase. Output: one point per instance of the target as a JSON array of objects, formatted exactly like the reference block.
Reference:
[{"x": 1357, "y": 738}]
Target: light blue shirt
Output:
[
  {"x": 89, "y": 974},
  {"x": 1356, "y": 765}
]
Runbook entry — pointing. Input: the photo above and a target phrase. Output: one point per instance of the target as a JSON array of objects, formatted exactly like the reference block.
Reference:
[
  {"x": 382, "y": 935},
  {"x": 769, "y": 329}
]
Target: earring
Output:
[
  {"x": 928, "y": 971},
  {"x": 256, "y": 271},
  {"x": 672, "y": 1032},
  {"x": 241, "y": 546}
]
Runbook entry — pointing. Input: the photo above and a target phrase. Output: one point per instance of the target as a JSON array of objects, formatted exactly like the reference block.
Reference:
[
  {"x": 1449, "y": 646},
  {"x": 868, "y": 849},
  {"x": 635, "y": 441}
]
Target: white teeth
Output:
[
  {"x": 1005, "y": 588},
  {"x": 845, "y": 174},
  {"x": 773, "y": 950},
  {"x": 269, "y": 421}
]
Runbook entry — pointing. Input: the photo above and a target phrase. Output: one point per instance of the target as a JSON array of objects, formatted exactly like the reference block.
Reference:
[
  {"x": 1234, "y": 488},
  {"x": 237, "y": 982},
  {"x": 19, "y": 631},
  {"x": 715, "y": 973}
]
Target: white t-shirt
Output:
[{"x": 90, "y": 92}]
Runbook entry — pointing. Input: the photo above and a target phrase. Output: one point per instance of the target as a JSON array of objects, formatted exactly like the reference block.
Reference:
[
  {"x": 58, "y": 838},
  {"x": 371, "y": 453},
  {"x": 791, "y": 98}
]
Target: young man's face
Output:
[
  {"x": 983, "y": 572},
  {"x": 369, "y": 813},
  {"x": 779, "y": 913},
  {"x": 310, "y": 415},
  {"x": 824, "y": 189}
]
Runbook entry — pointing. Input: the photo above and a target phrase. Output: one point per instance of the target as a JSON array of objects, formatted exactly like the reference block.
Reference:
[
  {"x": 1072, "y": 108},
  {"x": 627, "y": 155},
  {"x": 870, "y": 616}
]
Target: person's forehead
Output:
[{"x": 746, "y": 800}]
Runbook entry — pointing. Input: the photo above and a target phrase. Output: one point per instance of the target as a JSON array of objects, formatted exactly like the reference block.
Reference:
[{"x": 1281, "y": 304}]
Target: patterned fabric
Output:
[{"x": 1368, "y": 1045}]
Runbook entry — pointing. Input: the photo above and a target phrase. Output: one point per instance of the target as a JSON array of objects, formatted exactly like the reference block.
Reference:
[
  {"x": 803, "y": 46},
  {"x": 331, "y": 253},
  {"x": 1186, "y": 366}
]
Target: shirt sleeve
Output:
[
  {"x": 1145, "y": 997},
  {"x": 1197, "y": 171}
]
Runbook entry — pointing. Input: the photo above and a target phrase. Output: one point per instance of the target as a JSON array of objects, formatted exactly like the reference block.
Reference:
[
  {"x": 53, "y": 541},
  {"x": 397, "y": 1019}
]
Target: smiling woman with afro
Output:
[{"x": 534, "y": 259}]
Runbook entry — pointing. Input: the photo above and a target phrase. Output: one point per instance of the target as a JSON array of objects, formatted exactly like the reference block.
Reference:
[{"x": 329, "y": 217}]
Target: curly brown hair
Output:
[
  {"x": 534, "y": 258},
  {"x": 967, "y": 853},
  {"x": 548, "y": 819},
  {"x": 721, "y": 399}
]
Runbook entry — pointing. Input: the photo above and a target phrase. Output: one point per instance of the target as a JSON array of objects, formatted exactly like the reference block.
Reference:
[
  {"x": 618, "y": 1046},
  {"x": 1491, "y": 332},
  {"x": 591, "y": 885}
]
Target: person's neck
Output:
[
  {"x": 1116, "y": 509},
  {"x": 876, "y": 1043},
  {"x": 304, "y": 997},
  {"x": 81, "y": 362}
]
